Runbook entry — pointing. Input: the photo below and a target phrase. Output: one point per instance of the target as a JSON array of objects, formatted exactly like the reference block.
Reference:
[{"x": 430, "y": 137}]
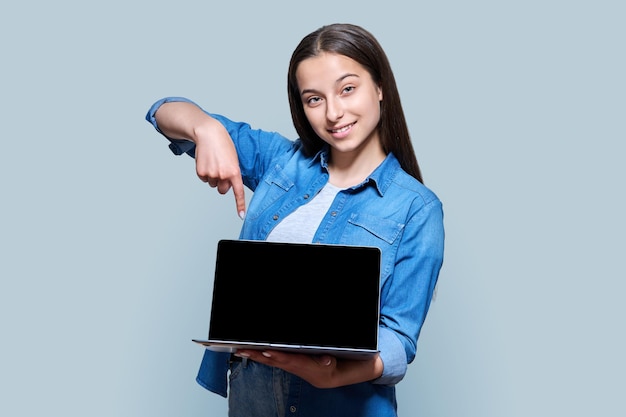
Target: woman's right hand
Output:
[{"x": 217, "y": 162}]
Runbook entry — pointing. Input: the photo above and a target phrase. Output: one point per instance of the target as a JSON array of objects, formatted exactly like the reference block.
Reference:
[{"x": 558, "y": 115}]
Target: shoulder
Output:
[
  {"x": 412, "y": 187},
  {"x": 396, "y": 183}
]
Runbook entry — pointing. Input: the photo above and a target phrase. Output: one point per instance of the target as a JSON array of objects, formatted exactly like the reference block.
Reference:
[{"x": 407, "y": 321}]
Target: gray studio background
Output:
[{"x": 517, "y": 112}]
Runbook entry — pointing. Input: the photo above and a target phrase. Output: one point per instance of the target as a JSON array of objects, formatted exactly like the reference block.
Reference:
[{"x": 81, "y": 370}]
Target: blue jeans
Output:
[{"x": 257, "y": 390}]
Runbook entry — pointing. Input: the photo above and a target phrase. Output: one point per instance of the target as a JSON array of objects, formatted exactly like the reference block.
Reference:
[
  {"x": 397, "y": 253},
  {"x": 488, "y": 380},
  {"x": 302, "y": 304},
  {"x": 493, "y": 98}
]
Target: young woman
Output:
[{"x": 350, "y": 178}]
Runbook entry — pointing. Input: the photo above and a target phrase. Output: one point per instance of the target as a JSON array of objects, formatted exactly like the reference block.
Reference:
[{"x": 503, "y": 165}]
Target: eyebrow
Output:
[{"x": 343, "y": 77}]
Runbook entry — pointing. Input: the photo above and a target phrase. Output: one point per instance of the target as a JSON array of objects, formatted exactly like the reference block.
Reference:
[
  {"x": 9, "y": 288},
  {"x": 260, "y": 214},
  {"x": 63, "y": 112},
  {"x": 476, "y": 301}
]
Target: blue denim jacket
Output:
[{"x": 390, "y": 210}]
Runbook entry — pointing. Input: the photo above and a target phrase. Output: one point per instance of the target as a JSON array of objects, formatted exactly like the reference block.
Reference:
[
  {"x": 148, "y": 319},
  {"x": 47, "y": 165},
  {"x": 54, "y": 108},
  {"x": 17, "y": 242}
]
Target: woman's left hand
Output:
[{"x": 321, "y": 371}]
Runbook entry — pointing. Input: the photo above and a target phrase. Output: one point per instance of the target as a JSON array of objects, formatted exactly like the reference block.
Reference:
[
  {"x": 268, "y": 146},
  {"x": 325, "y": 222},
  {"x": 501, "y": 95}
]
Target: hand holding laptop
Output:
[{"x": 321, "y": 371}]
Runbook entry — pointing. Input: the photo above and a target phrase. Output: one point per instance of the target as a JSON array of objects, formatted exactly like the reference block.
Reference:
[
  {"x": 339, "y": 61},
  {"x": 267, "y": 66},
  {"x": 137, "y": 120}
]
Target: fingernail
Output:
[
  {"x": 242, "y": 354},
  {"x": 266, "y": 354},
  {"x": 242, "y": 214}
]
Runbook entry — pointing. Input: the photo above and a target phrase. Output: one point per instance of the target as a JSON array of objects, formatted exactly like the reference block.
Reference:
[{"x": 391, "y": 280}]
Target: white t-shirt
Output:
[{"x": 301, "y": 225}]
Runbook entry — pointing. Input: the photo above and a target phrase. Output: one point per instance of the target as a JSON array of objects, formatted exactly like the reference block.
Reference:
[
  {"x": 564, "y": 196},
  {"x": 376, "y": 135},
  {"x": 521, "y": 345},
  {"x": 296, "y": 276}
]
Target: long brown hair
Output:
[{"x": 358, "y": 44}]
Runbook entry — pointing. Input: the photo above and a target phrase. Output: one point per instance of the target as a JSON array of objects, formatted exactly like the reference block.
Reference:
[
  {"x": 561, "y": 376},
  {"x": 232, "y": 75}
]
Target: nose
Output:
[{"x": 334, "y": 109}]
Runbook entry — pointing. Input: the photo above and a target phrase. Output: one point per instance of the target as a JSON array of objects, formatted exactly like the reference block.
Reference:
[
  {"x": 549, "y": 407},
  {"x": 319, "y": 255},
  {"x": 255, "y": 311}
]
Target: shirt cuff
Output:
[
  {"x": 393, "y": 356},
  {"x": 181, "y": 146}
]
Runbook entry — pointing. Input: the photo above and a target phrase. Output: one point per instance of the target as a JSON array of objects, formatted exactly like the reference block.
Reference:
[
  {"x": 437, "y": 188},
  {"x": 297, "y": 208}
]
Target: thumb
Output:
[{"x": 323, "y": 360}]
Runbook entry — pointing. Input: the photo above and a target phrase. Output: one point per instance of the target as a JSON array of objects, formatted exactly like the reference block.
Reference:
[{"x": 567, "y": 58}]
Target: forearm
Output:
[
  {"x": 183, "y": 120},
  {"x": 355, "y": 371}
]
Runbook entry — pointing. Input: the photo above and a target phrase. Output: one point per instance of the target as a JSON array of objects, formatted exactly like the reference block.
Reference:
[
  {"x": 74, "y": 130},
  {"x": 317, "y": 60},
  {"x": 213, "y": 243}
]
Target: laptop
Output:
[{"x": 296, "y": 297}]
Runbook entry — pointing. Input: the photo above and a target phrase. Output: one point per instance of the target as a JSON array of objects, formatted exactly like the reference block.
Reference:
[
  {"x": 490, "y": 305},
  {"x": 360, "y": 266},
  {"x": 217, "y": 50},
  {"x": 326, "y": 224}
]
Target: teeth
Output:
[{"x": 343, "y": 129}]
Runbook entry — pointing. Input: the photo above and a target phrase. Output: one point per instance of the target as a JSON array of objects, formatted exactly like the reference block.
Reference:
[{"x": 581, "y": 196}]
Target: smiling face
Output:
[{"x": 341, "y": 102}]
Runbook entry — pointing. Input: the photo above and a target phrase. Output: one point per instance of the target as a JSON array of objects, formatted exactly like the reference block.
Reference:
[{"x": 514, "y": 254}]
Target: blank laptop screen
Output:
[{"x": 296, "y": 294}]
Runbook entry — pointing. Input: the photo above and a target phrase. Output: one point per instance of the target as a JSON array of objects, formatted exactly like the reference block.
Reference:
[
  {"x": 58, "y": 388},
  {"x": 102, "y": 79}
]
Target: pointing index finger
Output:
[{"x": 240, "y": 197}]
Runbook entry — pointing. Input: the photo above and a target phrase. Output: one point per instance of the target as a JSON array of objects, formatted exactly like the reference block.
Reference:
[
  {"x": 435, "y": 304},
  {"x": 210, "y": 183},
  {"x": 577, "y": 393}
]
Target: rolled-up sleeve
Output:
[
  {"x": 393, "y": 357},
  {"x": 177, "y": 146}
]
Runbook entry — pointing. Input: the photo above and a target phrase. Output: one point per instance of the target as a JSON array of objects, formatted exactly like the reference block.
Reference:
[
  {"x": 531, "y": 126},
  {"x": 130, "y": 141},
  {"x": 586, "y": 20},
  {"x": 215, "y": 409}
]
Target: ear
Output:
[{"x": 380, "y": 93}]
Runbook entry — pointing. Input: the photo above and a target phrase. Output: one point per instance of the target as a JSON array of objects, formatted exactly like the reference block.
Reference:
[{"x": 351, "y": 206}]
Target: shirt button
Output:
[
  {"x": 334, "y": 213},
  {"x": 292, "y": 408},
  {"x": 275, "y": 217},
  {"x": 306, "y": 196}
]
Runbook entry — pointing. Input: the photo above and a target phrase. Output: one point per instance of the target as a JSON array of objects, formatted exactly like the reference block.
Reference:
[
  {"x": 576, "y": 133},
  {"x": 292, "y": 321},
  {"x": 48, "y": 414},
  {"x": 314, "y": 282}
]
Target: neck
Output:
[{"x": 347, "y": 170}]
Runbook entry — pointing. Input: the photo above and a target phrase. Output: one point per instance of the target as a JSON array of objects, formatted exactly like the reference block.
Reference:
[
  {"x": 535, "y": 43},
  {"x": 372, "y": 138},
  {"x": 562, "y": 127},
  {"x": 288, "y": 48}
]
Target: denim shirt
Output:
[{"x": 390, "y": 210}]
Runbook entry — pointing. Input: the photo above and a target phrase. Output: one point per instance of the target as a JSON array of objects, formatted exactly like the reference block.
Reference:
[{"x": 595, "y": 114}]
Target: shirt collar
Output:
[
  {"x": 384, "y": 174},
  {"x": 381, "y": 177}
]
